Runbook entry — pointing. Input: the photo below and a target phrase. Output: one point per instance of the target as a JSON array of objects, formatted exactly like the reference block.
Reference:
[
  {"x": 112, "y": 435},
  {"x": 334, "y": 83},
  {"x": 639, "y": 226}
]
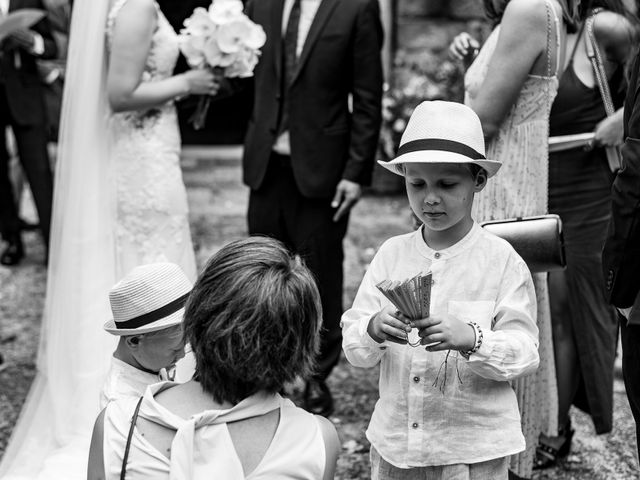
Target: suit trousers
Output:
[
  {"x": 306, "y": 226},
  {"x": 31, "y": 141},
  {"x": 630, "y": 339}
]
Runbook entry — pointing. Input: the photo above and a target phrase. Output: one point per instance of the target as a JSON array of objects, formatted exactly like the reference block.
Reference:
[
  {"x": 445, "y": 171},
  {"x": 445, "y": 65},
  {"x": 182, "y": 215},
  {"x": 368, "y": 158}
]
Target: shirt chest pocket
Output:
[{"x": 480, "y": 312}]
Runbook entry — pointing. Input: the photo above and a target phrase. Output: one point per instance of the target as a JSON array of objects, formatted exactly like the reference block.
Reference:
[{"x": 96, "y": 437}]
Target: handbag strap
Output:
[
  {"x": 595, "y": 57},
  {"x": 134, "y": 419}
]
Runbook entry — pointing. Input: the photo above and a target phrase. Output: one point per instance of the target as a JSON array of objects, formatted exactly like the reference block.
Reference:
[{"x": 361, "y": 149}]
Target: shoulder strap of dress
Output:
[
  {"x": 551, "y": 10},
  {"x": 117, "y": 6}
]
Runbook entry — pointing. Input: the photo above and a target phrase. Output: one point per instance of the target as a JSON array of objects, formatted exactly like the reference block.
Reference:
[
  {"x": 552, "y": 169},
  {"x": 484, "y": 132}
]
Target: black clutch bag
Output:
[{"x": 538, "y": 240}]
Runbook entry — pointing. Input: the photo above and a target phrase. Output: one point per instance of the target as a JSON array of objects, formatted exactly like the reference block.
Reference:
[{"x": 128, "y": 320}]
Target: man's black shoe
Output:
[
  {"x": 317, "y": 398},
  {"x": 13, "y": 253}
]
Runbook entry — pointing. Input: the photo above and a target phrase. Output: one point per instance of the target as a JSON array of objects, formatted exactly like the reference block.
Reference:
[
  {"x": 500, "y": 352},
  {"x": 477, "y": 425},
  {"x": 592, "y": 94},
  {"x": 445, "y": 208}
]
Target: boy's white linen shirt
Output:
[
  {"x": 481, "y": 279},
  {"x": 124, "y": 380}
]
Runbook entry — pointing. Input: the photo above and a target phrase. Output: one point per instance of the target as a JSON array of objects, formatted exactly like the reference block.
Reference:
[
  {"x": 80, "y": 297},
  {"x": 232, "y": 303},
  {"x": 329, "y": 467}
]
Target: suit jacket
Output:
[
  {"x": 340, "y": 57},
  {"x": 621, "y": 254},
  {"x": 19, "y": 73}
]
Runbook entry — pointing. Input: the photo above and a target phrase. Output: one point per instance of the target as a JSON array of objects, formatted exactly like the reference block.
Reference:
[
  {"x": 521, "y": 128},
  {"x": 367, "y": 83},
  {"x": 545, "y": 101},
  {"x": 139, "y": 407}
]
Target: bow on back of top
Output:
[{"x": 187, "y": 461}]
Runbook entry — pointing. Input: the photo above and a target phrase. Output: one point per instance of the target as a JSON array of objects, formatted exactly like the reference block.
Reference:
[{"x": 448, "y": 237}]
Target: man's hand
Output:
[
  {"x": 23, "y": 38},
  {"x": 347, "y": 195},
  {"x": 609, "y": 131},
  {"x": 388, "y": 324}
]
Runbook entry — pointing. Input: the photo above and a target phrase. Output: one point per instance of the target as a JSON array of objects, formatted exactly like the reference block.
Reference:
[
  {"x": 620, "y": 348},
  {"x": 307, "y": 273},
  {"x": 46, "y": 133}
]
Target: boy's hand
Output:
[
  {"x": 451, "y": 333},
  {"x": 388, "y": 324}
]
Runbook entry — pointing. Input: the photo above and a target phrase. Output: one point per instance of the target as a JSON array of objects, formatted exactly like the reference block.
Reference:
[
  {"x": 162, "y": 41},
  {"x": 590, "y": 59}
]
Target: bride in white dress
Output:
[{"x": 119, "y": 202}]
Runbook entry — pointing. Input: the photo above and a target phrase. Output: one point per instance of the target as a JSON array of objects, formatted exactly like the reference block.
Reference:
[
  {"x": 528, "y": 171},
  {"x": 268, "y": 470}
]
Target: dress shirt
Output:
[
  {"x": 308, "y": 9},
  {"x": 475, "y": 417},
  {"x": 4, "y": 7}
]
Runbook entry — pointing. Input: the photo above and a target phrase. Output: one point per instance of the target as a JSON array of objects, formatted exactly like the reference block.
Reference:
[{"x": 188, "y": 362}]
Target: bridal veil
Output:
[{"x": 51, "y": 438}]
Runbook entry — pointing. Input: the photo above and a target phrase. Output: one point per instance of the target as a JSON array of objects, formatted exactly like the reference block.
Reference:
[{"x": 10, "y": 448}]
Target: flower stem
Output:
[{"x": 199, "y": 116}]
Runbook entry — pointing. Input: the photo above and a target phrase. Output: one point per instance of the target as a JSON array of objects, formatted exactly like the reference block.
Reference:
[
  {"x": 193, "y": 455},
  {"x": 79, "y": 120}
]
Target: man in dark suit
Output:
[
  {"x": 22, "y": 108},
  {"x": 312, "y": 139},
  {"x": 621, "y": 254}
]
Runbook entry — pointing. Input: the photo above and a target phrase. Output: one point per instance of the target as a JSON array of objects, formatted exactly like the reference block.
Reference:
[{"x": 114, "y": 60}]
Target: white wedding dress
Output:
[
  {"x": 119, "y": 202},
  {"x": 152, "y": 213}
]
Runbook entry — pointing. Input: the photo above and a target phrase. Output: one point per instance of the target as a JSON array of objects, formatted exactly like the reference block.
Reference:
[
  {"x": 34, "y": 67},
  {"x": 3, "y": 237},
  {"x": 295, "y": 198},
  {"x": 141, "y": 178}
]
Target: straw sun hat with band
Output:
[
  {"x": 149, "y": 298},
  {"x": 442, "y": 132}
]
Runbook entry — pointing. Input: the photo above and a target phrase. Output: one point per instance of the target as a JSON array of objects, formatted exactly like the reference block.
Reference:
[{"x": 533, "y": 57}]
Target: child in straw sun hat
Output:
[
  {"x": 446, "y": 408},
  {"x": 148, "y": 306}
]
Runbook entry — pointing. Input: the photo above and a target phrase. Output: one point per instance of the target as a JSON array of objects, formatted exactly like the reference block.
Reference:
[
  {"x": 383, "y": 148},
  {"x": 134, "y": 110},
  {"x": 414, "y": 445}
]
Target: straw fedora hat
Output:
[
  {"x": 442, "y": 132},
  {"x": 149, "y": 298}
]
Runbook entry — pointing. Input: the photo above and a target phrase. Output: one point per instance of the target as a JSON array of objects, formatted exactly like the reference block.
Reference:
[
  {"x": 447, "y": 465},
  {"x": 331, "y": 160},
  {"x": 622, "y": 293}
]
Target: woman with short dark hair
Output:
[{"x": 252, "y": 320}]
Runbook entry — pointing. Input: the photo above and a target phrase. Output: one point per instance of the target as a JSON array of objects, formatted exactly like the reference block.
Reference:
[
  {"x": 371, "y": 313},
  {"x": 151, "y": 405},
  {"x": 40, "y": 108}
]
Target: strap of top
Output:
[
  {"x": 134, "y": 419},
  {"x": 575, "y": 47}
]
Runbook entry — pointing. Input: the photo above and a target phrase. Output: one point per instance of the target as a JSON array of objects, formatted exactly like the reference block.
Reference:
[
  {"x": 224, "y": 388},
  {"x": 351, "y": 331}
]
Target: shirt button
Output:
[
  {"x": 416, "y": 379},
  {"x": 437, "y": 255},
  {"x": 415, "y": 425}
]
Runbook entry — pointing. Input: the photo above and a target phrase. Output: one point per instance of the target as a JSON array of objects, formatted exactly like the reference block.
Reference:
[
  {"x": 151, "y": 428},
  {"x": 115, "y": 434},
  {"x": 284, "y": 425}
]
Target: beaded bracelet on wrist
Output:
[{"x": 476, "y": 346}]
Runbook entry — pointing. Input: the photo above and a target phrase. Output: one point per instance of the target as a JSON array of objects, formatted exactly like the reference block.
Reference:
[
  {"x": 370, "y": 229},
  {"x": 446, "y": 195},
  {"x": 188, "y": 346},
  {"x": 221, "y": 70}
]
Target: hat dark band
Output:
[
  {"x": 155, "y": 315},
  {"x": 442, "y": 145}
]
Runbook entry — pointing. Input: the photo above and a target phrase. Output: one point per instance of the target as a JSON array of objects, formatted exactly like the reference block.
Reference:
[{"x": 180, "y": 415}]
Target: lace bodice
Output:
[
  {"x": 520, "y": 187},
  {"x": 160, "y": 63},
  {"x": 152, "y": 223}
]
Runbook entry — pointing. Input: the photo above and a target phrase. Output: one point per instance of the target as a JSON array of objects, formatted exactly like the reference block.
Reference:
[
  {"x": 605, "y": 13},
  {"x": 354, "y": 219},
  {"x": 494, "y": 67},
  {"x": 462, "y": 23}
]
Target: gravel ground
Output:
[{"x": 218, "y": 202}]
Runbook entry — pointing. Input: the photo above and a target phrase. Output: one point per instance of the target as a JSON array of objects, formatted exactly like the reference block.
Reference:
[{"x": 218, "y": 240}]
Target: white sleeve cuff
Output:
[{"x": 38, "y": 44}]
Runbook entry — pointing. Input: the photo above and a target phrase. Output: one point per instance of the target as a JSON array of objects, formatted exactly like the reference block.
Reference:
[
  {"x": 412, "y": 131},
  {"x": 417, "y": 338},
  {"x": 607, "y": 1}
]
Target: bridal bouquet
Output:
[{"x": 224, "y": 39}]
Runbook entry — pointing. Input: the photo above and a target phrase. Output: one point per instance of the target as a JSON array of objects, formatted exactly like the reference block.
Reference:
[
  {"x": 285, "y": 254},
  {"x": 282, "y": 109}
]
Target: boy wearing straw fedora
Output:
[
  {"x": 446, "y": 408},
  {"x": 148, "y": 306}
]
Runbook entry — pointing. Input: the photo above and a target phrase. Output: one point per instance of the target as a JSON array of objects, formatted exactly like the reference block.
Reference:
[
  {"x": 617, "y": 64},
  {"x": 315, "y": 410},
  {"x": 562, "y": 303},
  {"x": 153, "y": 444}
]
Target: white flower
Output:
[
  {"x": 256, "y": 38},
  {"x": 223, "y": 11},
  {"x": 244, "y": 64},
  {"x": 215, "y": 56},
  {"x": 199, "y": 24},
  {"x": 192, "y": 47},
  {"x": 232, "y": 35}
]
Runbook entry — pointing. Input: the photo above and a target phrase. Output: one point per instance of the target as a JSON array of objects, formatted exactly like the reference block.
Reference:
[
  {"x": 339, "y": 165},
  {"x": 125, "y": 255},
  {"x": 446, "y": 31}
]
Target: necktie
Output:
[{"x": 289, "y": 63}]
